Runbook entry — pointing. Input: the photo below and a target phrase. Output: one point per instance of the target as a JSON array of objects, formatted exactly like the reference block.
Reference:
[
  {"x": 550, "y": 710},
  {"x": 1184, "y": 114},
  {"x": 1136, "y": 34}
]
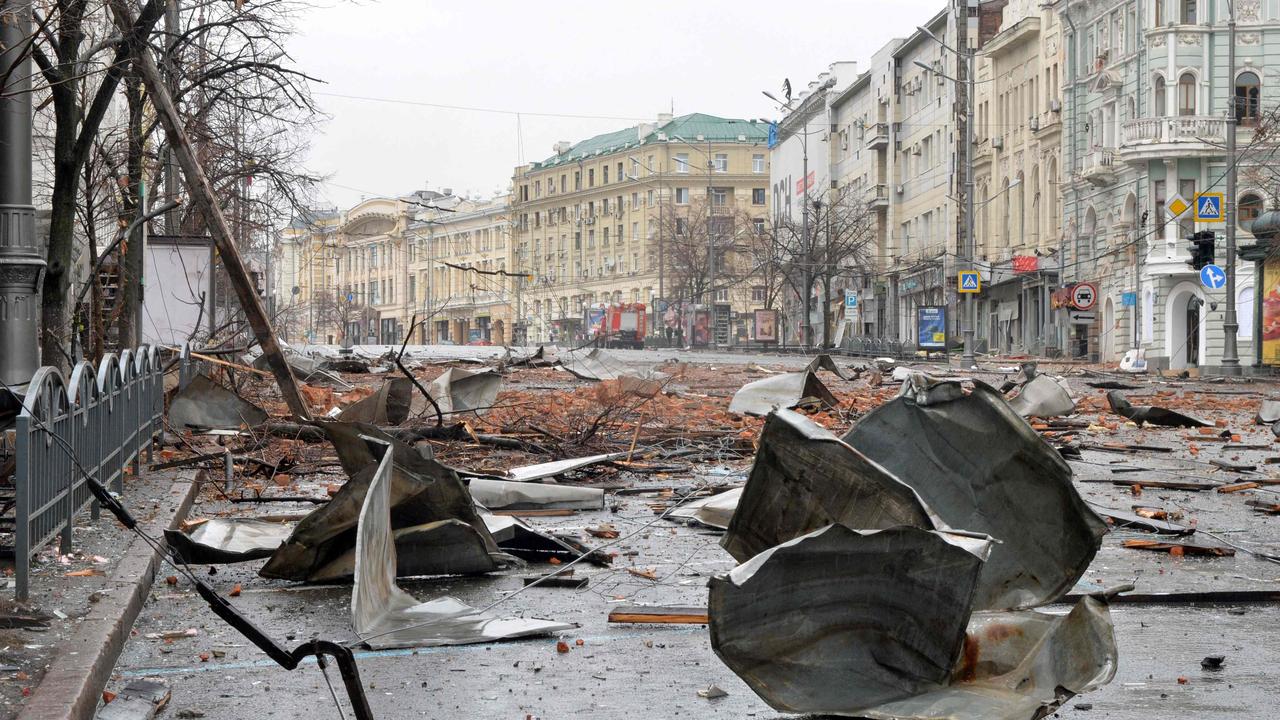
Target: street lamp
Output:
[
  {"x": 807, "y": 322},
  {"x": 968, "y": 359}
]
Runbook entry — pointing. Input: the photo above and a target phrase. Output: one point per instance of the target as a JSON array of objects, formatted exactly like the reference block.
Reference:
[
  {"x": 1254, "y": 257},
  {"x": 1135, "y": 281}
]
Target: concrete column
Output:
[{"x": 21, "y": 262}]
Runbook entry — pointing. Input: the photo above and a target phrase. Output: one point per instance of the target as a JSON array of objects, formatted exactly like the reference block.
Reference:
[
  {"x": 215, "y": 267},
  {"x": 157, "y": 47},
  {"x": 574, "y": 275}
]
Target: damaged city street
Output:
[{"x": 883, "y": 540}]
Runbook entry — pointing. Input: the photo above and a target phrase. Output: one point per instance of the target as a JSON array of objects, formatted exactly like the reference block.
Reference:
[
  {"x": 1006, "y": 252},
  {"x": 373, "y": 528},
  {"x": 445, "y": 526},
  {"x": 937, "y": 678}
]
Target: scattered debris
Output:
[
  {"x": 227, "y": 540},
  {"x": 781, "y": 392},
  {"x": 1150, "y": 414},
  {"x": 206, "y": 405},
  {"x": 141, "y": 699},
  {"x": 388, "y": 406},
  {"x": 712, "y": 691}
]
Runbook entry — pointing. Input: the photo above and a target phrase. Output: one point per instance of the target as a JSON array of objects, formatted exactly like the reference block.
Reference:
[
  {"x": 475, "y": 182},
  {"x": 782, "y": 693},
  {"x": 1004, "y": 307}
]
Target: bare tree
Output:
[
  {"x": 840, "y": 243},
  {"x": 691, "y": 232}
]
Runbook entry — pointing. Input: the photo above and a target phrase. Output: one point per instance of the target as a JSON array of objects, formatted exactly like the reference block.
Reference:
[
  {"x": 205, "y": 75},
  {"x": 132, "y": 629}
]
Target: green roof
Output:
[{"x": 694, "y": 127}]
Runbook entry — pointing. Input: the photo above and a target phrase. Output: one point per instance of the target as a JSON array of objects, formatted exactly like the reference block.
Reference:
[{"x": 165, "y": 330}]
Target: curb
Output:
[{"x": 73, "y": 685}]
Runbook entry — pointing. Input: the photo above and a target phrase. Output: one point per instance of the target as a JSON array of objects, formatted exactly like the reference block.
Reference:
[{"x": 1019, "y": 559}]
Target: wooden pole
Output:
[{"x": 206, "y": 205}]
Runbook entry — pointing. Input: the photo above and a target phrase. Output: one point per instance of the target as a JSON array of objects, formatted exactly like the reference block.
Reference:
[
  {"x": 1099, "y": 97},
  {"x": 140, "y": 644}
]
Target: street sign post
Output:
[
  {"x": 1213, "y": 277},
  {"x": 969, "y": 281},
  {"x": 1210, "y": 207},
  {"x": 850, "y": 300}
]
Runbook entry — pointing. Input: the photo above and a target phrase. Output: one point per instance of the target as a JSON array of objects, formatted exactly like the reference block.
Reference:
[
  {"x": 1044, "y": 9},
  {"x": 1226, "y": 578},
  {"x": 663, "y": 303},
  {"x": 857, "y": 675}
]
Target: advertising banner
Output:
[
  {"x": 931, "y": 327},
  {"x": 766, "y": 325},
  {"x": 1271, "y": 312}
]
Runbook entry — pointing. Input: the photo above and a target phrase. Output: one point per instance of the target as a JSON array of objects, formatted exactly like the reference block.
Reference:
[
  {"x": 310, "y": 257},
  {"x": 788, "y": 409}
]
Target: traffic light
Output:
[{"x": 1201, "y": 246}]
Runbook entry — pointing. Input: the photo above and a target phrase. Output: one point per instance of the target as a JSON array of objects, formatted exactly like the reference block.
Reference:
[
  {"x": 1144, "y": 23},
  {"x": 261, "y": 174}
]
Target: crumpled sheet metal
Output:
[
  {"x": 541, "y": 471},
  {"x": 458, "y": 390},
  {"x": 384, "y": 616},
  {"x": 1019, "y": 665},
  {"x": 1268, "y": 412},
  {"x": 443, "y": 547},
  {"x": 839, "y": 620},
  {"x": 1151, "y": 414},
  {"x": 715, "y": 511},
  {"x": 389, "y": 406},
  {"x": 780, "y": 392},
  {"x": 981, "y": 468},
  {"x": 805, "y": 478},
  {"x": 228, "y": 540},
  {"x": 521, "y": 540},
  {"x": 206, "y": 405},
  {"x": 598, "y": 364},
  {"x": 825, "y": 362},
  {"x": 1043, "y": 396},
  {"x": 506, "y": 495},
  {"x": 422, "y": 491}
]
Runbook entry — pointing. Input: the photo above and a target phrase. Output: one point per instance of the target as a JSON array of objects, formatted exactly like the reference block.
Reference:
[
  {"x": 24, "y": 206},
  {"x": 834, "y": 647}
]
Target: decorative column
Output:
[{"x": 21, "y": 262}]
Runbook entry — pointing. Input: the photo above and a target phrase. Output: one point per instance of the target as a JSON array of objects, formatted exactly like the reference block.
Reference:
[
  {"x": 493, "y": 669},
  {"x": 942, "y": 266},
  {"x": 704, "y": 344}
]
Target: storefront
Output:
[{"x": 923, "y": 288}]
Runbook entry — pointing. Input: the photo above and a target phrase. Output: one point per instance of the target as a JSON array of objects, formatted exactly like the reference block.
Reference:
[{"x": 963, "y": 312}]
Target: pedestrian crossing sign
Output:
[
  {"x": 970, "y": 281},
  {"x": 1209, "y": 207}
]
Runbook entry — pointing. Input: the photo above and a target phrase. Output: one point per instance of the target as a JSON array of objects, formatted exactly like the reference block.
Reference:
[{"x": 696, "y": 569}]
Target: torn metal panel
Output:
[
  {"x": 1151, "y": 414},
  {"x": 458, "y": 390},
  {"x": 1268, "y": 413},
  {"x": 981, "y": 468},
  {"x": 206, "y": 405},
  {"x": 228, "y": 540},
  {"x": 598, "y": 364},
  {"x": 388, "y": 406},
  {"x": 384, "y": 616},
  {"x": 422, "y": 491},
  {"x": 1019, "y": 665},
  {"x": 443, "y": 547},
  {"x": 715, "y": 511},
  {"x": 1043, "y": 396},
  {"x": 517, "y": 538},
  {"x": 541, "y": 471},
  {"x": 1126, "y": 519},
  {"x": 504, "y": 495},
  {"x": 780, "y": 392},
  {"x": 824, "y": 362},
  {"x": 839, "y": 620},
  {"x": 805, "y": 478}
]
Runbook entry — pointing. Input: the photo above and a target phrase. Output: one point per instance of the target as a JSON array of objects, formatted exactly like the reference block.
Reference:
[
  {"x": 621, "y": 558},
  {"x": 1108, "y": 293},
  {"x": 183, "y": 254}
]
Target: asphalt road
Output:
[{"x": 623, "y": 672}]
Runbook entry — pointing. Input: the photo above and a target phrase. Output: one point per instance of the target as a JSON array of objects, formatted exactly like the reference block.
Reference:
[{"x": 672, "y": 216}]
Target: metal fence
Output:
[
  {"x": 107, "y": 415},
  {"x": 876, "y": 346}
]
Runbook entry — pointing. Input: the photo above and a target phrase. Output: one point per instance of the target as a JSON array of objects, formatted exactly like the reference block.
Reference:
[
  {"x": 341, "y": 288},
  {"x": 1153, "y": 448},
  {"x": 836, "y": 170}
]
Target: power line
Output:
[{"x": 470, "y": 108}]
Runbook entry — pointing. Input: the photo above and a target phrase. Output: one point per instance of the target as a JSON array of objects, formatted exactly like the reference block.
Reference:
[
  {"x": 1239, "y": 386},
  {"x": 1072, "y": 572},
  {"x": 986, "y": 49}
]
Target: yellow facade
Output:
[{"x": 593, "y": 223}]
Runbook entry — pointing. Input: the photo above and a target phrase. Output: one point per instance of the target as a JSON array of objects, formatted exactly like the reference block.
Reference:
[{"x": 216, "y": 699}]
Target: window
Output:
[
  {"x": 682, "y": 226},
  {"x": 635, "y": 200},
  {"x": 1189, "y": 12},
  {"x": 604, "y": 173},
  {"x": 757, "y": 196},
  {"x": 563, "y": 186},
  {"x": 682, "y": 162},
  {"x": 591, "y": 239},
  {"x": 1159, "y": 15},
  {"x": 722, "y": 295},
  {"x": 758, "y": 223},
  {"x": 1248, "y": 209},
  {"x": 1248, "y": 95},
  {"x": 1187, "y": 189},
  {"x": 577, "y": 240},
  {"x": 757, "y": 294},
  {"x": 619, "y": 172},
  {"x": 1187, "y": 94},
  {"x": 635, "y": 168},
  {"x": 682, "y": 196},
  {"x": 591, "y": 177},
  {"x": 719, "y": 197},
  {"x": 635, "y": 231},
  {"x": 648, "y": 201},
  {"x": 1161, "y": 93},
  {"x": 722, "y": 162},
  {"x": 604, "y": 238},
  {"x": 757, "y": 163}
]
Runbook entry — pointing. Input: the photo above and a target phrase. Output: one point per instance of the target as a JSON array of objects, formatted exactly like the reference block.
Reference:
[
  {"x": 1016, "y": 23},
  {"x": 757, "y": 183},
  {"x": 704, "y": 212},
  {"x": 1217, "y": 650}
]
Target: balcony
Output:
[
  {"x": 878, "y": 197},
  {"x": 1099, "y": 167},
  {"x": 878, "y": 136},
  {"x": 1183, "y": 136}
]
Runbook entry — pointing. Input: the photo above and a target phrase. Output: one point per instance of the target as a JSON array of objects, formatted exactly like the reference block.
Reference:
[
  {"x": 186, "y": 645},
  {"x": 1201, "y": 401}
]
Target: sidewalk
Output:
[{"x": 93, "y": 595}]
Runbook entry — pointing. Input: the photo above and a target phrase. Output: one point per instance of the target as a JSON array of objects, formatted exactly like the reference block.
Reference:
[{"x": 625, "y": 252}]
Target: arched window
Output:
[
  {"x": 1247, "y": 209},
  {"x": 1161, "y": 93},
  {"x": 1248, "y": 98},
  {"x": 1187, "y": 94}
]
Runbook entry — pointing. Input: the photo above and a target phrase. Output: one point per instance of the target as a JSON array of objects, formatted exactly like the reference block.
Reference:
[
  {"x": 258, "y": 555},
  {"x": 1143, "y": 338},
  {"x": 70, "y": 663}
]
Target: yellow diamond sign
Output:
[{"x": 1176, "y": 206}]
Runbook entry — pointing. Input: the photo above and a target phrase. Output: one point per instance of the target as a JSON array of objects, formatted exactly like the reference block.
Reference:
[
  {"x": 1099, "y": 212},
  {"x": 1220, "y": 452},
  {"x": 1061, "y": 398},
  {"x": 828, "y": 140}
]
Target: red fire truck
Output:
[{"x": 623, "y": 325}]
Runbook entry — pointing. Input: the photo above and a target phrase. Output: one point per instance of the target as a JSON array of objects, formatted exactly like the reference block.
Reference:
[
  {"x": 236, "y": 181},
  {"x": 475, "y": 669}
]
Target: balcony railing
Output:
[
  {"x": 878, "y": 134},
  {"x": 1181, "y": 129},
  {"x": 1098, "y": 159}
]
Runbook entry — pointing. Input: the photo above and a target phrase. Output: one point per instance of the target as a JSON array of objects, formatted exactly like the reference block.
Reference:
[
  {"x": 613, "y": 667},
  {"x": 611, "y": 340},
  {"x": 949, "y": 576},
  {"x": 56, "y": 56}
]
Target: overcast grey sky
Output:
[{"x": 610, "y": 63}]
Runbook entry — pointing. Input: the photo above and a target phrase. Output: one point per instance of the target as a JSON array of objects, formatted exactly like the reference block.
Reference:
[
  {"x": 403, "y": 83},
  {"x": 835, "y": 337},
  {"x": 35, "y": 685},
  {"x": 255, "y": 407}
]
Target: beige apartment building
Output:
[
  {"x": 1016, "y": 173},
  {"x": 610, "y": 219},
  {"x": 361, "y": 276}
]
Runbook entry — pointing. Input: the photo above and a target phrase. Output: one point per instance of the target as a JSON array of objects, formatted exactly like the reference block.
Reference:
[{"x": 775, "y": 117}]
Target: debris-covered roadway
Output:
[{"x": 1203, "y": 585}]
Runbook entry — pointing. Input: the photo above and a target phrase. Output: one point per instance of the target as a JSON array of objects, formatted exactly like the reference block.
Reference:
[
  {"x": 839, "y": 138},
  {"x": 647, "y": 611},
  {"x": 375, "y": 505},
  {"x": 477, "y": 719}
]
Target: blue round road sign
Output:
[{"x": 1212, "y": 277}]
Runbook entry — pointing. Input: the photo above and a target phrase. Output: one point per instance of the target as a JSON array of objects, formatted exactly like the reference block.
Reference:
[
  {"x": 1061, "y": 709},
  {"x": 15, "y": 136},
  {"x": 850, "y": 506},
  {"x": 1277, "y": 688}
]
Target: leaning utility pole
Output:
[
  {"x": 1230, "y": 325},
  {"x": 965, "y": 57},
  {"x": 206, "y": 203},
  {"x": 21, "y": 263}
]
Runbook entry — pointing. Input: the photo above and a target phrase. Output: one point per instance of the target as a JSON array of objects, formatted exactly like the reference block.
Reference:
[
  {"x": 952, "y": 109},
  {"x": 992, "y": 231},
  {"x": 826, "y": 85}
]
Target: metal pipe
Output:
[{"x": 21, "y": 263}]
